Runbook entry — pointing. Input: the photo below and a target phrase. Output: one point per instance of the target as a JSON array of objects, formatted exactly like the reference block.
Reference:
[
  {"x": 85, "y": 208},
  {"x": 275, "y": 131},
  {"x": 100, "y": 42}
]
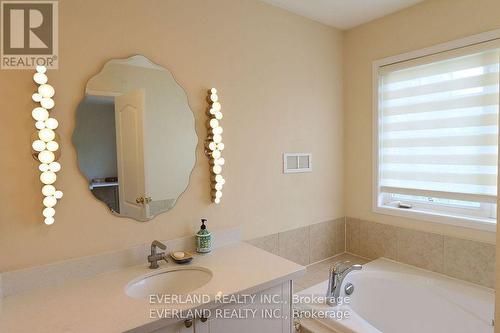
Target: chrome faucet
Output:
[
  {"x": 337, "y": 275},
  {"x": 154, "y": 257}
]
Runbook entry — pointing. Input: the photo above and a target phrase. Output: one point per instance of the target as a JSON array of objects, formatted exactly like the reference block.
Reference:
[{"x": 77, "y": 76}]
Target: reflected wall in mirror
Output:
[{"x": 135, "y": 138}]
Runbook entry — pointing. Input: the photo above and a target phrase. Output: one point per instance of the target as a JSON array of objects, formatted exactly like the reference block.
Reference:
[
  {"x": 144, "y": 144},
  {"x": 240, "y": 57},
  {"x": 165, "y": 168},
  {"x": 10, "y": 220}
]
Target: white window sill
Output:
[{"x": 472, "y": 223}]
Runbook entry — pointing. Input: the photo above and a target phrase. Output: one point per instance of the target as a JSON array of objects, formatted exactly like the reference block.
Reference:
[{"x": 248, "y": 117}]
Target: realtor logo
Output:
[{"x": 29, "y": 32}]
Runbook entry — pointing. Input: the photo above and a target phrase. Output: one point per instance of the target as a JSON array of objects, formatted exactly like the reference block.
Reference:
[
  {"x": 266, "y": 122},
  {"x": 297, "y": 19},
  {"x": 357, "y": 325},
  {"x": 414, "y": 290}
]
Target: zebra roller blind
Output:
[{"x": 438, "y": 125}]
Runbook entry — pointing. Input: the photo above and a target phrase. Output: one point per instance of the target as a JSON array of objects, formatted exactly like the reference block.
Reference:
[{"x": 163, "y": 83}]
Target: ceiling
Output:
[{"x": 342, "y": 14}]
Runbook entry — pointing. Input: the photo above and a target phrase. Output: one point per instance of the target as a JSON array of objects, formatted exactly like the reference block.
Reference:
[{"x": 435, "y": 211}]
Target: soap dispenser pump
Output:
[{"x": 203, "y": 239}]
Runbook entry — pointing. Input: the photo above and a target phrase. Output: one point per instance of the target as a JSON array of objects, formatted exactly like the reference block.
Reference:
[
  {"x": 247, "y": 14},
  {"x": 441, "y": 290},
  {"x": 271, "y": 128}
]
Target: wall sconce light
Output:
[
  {"x": 45, "y": 146},
  {"x": 214, "y": 145}
]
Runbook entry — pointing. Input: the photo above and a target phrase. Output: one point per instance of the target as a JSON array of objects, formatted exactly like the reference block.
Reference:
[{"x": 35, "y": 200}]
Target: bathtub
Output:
[{"x": 391, "y": 297}]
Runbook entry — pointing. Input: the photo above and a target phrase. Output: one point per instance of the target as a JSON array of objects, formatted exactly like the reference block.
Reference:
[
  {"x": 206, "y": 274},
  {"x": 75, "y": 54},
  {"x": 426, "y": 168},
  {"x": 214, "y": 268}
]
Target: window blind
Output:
[{"x": 438, "y": 125}]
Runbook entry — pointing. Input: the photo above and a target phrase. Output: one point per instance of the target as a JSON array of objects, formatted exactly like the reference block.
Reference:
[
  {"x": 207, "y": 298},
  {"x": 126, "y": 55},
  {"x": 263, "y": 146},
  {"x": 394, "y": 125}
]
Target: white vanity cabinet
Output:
[
  {"x": 179, "y": 327},
  {"x": 270, "y": 312}
]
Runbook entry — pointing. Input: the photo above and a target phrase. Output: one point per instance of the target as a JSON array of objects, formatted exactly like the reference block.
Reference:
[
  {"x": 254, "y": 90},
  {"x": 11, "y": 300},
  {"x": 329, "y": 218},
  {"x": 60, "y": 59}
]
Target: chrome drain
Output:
[{"x": 349, "y": 288}]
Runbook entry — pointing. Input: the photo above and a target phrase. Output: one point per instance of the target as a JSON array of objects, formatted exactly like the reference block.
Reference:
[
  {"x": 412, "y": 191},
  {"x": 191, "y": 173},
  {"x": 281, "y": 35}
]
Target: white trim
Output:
[
  {"x": 444, "y": 47},
  {"x": 425, "y": 216},
  {"x": 440, "y": 194},
  {"x": 483, "y": 211},
  {"x": 472, "y": 223}
]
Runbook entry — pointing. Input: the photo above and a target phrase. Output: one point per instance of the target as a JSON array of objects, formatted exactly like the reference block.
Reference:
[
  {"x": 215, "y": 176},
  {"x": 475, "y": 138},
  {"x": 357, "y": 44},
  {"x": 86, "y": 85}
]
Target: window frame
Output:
[{"x": 377, "y": 206}]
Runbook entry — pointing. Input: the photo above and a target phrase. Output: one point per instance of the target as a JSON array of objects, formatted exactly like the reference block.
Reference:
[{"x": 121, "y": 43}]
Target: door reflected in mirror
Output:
[{"x": 135, "y": 138}]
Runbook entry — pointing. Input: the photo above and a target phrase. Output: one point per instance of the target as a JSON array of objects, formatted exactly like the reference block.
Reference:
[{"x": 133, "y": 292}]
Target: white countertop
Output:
[{"x": 99, "y": 303}]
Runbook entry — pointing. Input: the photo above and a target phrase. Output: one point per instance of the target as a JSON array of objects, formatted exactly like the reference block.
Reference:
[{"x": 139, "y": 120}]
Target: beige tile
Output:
[
  {"x": 325, "y": 265},
  {"x": 267, "y": 243},
  {"x": 323, "y": 238},
  {"x": 322, "y": 266},
  {"x": 340, "y": 234},
  {"x": 349, "y": 257},
  {"x": 297, "y": 287},
  {"x": 352, "y": 235},
  {"x": 311, "y": 278},
  {"x": 421, "y": 249},
  {"x": 377, "y": 240},
  {"x": 294, "y": 245},
  {"x": 469, "y": 260}
]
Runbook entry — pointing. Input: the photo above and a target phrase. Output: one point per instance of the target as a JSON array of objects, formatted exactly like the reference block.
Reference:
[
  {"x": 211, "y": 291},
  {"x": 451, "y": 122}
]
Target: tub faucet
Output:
[
  {"x": 337, "y": 275},
  {"x": 154, "y": 257}
]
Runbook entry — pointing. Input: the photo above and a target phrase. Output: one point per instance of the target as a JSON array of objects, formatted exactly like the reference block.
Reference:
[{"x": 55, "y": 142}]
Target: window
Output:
[{"x": 437, "y": 136}]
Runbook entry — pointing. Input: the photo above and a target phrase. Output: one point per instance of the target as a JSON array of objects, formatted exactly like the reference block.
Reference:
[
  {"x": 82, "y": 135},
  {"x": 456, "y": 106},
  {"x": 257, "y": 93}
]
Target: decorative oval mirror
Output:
[{"x": 135, "y": 138}]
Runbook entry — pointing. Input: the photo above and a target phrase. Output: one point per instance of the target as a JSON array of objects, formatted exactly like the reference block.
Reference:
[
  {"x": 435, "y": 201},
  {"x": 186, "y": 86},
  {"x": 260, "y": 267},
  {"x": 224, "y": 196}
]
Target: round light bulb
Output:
[
  {"x": 49, "y": 212},
  {"x": 46, "y": 90},
  {"x": 220, "y": 161},
  {"x": 213, "y": 91},
  {"x": 48, "y": 177},
  {"x": 218, "y": 186},
  {"x": 217, "y": 138},
  {"x": 218, "y": 194},
  {"x": 40, "y": 114},
  {"x": 212, "y": 145},
  {"x": 217, "y": 130},
  {"x": 216, "y": 106},
  {"x": 47, "y": 103},
  {"x": 36, "y": 97},
  {"x": 49, "y": 201},
  {"x": 51, "y": 123},
  {"x": 40, "y": 78},
  {"x": 49, "y": 220},
  {"x": 219, "y": 179},
  {"x": 52, "y": 146},
  {"x": 46, "y": 135},
  {"x": 58, "y": 194},
  {"x": 38, "y": 145},
  {"x": 211, "y": 111},
  {"x": 41, "y": 69},
  {"x": 217, "y": 201},
  {"x": 40, "y": 125},
  {"x": 43, "y": 167},
  {"x": 216, "y": 169},
  {"x": 214, "y": 97},
  {"x": 220, "y": 146},
  {"x": 48, "y": 190},
  {"x": 216, "y": 154},
  {"x": 46, "y": 156},
  {"x": 218, "y": 115},
  {"x": 55, "y": 166},
  {"x": 214, "y": 123}
]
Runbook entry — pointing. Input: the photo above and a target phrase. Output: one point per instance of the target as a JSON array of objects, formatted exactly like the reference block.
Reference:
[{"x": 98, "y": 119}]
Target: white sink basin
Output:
[{"x": 170, "y": 281}]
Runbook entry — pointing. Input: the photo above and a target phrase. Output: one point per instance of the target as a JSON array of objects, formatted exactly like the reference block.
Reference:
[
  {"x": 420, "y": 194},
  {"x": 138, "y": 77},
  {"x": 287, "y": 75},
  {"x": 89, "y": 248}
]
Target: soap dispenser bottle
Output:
[{"x": 203, "y": 239}]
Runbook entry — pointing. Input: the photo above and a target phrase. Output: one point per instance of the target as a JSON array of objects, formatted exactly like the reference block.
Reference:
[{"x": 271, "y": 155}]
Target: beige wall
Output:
[
  {"x": 279, "y": 77},
  {"x": 426, "y": 24}
]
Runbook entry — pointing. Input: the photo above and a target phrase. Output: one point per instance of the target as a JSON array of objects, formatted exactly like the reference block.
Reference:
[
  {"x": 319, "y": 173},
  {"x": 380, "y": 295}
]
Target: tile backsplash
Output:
[
  {"x": 306, "y": 245},
  {"x": 459, "y": 258}
]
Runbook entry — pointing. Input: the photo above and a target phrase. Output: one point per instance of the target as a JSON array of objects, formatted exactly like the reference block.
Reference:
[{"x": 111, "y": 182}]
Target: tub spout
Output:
[{"x": 337, "y": 275}]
